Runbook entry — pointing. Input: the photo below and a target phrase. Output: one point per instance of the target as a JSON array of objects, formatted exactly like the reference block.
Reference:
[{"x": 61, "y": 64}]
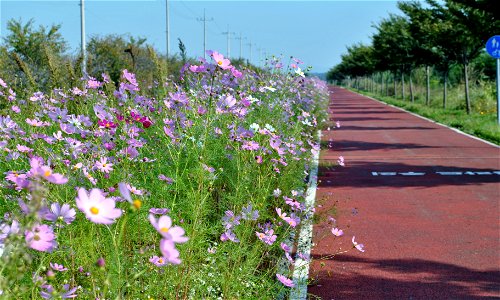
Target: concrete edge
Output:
[
  {"x": 301, "y": 267},
  {"x": 432, "y": 121}
]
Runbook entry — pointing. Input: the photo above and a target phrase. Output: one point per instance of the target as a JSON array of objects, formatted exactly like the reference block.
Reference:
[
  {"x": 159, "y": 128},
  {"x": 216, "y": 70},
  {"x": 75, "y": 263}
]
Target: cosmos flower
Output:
[
  {"x": 48, "y": 292},
  {"x": 222, "y": 62},
  {"x": 97, "y": 208},
  {"x": 158, "y": 261},
  {"x": 357, "y": 246},
  {"x": 45, "y": 172},
  {"x": 170, "y": 254},
  {"x": 103, "y": 165},
  {"x": 164, "y": 226},
  {"x": 58, "y": 267},
  {"x": 41, "y": 238},
  {"x": 57, "y": 212},
  {"x": 337, "y": 232},
  {"x": 228, "y": 235},
  {"x": 286, "y": 282}
]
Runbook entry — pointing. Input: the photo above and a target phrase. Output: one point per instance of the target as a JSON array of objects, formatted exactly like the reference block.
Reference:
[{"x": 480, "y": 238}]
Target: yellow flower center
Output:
[
  {"x": 94, "y": 210},
  {"x": 104, "y": 165},
  {"x": 137, "y": 204},
  {"x": 164, "y": 229},
  {"x": 219, "y": 62},
  {"x": 36, "y": 237},
  {"x": 47, "y": 173},
  {"x": 160, "y": 260}
]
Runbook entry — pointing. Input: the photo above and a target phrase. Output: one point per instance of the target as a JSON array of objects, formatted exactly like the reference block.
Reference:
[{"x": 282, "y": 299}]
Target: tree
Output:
[{"x": 393, "y": 46}]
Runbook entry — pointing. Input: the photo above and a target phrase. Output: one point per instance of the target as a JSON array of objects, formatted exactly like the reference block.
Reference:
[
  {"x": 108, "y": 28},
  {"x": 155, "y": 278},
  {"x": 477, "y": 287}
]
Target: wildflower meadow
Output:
[{"x": 184, "y": 189}]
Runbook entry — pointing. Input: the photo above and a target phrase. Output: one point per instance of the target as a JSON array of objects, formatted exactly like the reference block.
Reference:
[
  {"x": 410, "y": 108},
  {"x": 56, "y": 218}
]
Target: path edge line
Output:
[{"x": 430, "y": 120}]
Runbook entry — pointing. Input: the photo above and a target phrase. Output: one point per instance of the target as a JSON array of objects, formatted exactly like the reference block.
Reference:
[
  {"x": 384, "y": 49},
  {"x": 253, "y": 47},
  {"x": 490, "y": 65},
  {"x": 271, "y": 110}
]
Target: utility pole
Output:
[
  {"x": 260, "y": 58},
  {"x": 250, "y": 51},
  {"x": 83, "y": 44},
  {"x": 205, "y": 20},
  {"x": 241, "y": 44},
  {"x": 168, "y": 28},
  {"x": 228, "y": 33}
]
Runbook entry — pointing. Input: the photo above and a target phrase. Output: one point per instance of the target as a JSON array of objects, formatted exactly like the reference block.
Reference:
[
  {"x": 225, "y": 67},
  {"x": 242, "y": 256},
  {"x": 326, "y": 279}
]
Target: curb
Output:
[{"x": 301, "y": 267}]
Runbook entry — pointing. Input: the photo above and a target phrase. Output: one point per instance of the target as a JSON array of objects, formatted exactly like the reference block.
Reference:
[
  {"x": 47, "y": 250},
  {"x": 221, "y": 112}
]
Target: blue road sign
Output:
[{"x": 493, "y": 46}]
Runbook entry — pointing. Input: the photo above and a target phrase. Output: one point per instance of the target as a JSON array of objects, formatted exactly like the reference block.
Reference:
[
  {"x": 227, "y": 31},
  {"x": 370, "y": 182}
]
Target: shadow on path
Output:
[{"x": 423, "y": 280}]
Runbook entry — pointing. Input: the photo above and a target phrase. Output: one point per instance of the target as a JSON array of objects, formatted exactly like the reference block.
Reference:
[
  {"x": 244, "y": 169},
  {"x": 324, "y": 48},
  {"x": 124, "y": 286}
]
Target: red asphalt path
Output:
[{"x": 426, "y": 236}]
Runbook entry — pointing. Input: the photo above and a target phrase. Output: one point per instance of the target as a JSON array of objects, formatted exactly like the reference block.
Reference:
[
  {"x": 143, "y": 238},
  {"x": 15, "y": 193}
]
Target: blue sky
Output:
[{"x": 317, "y": 32}]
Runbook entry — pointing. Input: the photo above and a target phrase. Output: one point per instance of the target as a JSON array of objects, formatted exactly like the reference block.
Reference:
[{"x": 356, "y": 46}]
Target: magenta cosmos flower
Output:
[
  {"x": 222, "y": 62},
  {"x": 164, "y": 226},
  {"x": 97, "y": 208},
  {"x": 41, "y": 238}
]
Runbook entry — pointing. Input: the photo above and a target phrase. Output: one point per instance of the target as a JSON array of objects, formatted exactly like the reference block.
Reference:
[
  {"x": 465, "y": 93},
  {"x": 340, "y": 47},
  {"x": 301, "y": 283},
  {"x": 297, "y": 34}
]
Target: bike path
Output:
[{"x": 422, "y": 198}]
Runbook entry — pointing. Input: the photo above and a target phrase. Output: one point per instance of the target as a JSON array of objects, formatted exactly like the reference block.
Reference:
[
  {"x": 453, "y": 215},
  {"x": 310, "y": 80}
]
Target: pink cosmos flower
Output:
[
  {"x": 197, "y": 69},
  {"x": 92, "y": 83},
  {"x": 286, "y": 282},
  {"x": 164, "y": 226},
  {"x": 228, "y": 235},
  {"x": 285, "y": 247},
  {"x": 340, "y": 161},
  {"x": 357, "y": 246},
  {"x": 159, "y": 211},
  {"x": 103, "y": 165},
  {"x": 267, "y": 237},
  {"x": 45, "y": 172},
  {"x": 337, "y": 232},
  {"x": 236, "y": 73},
  {"x": 134, "y": 190},
  {"x": 58, "y": 267},
  {"x": 222, "y": 62},
  {"x": 97, "y": 208},
  {"x": 48, "y": 292},
  {"x": 158, "y": 261},
  {"x": 170, "y": 254},
  {"x": 23, "y": 149},
  {"x": 16, "y": 109},
  {"x": 41, "y": 238},
  {"x": 250, "y": 145}
]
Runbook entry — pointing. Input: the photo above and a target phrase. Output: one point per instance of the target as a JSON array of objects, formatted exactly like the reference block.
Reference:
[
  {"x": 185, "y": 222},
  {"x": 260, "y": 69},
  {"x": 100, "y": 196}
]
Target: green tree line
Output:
[
  {"x": 36, "y": 59},
  {"x": 442, "y": 38}
]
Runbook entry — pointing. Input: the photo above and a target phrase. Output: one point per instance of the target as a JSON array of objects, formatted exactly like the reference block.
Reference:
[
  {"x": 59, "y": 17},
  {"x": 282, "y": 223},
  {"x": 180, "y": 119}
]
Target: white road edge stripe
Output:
[{"x": 301, "y": 267}]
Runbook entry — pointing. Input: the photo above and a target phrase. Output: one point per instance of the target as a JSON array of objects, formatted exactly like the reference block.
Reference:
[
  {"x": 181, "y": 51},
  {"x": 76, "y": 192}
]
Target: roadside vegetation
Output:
[
  {"x": 431, "y": 60},
  {"x": 148, "y": 177}
]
